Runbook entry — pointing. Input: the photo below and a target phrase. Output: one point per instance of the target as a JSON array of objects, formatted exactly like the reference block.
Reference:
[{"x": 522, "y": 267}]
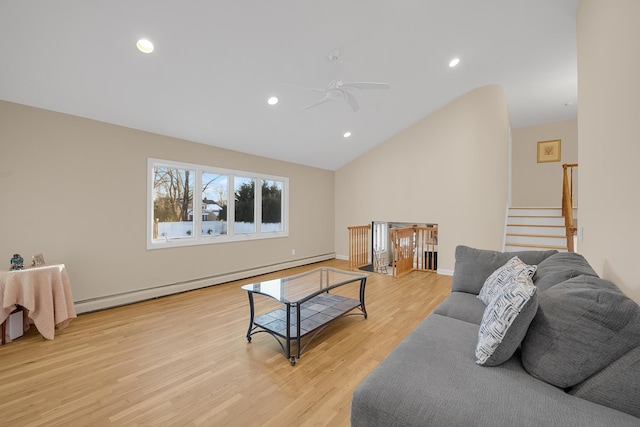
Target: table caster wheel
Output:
[{"x": 293, "y": 361}]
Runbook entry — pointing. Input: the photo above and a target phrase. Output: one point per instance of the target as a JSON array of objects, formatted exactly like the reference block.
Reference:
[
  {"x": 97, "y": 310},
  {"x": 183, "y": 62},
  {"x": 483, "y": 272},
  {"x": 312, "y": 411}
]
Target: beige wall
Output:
[
  {"x": 540, "y": 184},
  {"x": 75, "y": 189},
  {"x": 609, "y": 129},
  {"x": 450, "y": 168}
]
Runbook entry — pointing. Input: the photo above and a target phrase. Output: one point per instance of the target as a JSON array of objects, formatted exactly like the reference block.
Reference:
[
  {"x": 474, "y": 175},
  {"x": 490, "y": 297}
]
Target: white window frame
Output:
[
  {"x": 381, "y": 237},
  {"x": 198, "y": 237}
]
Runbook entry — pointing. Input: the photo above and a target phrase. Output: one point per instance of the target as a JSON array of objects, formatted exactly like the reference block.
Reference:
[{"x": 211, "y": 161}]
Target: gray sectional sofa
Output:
[{"x": 574, "y": 360}]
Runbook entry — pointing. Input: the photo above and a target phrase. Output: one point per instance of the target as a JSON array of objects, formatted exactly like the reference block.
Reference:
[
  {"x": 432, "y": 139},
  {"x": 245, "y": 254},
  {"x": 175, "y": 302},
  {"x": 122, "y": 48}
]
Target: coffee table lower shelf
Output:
[{"x": 315, "y": 315}]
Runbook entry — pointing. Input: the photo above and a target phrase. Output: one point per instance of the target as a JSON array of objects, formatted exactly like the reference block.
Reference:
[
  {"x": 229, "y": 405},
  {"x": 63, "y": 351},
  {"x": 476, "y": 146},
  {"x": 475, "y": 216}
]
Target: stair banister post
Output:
[{"x": 567, "y": 204}]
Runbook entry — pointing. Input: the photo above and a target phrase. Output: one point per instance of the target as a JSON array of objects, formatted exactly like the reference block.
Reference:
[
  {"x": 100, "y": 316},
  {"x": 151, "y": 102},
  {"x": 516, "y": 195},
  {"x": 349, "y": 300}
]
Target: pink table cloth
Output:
[{"x": 43, "y": 291}]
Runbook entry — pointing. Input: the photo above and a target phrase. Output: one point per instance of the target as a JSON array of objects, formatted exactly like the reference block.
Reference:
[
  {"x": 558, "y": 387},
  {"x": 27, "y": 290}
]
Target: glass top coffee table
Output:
[{"x": 308, "y": 306}]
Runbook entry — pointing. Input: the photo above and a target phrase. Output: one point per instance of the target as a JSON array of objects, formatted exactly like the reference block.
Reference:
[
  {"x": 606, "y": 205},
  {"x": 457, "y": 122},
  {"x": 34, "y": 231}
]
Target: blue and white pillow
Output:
[
  {"x": 506, "y": 320},
  {"x": 494, "y": 284}
]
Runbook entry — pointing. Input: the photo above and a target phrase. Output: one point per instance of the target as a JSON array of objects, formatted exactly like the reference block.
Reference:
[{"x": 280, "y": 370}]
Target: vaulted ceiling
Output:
[{"x": 216, "y": 63}]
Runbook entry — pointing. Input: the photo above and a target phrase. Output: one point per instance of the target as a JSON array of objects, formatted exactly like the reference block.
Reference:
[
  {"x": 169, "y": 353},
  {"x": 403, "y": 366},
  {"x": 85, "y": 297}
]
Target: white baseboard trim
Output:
[
  {"x": 111, "y": 301},
  {"x": 343, "y": 257},
  {"x": 445, "y": 272}
]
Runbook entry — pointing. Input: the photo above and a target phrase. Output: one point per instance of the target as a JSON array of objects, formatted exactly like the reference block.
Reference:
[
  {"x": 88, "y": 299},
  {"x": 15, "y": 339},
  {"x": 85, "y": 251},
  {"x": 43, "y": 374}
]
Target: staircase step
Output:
[
  {"x": 539, "y": 211},
  {"x": 535, "y": 228},
  {"x": 520, "y": 247},
  {"x": 535, "y": 211},
  {"x": 536, "y": 239},
  {"x": 549, "y": 230},
  {"x": 535, "y": 220},
  {"x": 552, "y": 236}
]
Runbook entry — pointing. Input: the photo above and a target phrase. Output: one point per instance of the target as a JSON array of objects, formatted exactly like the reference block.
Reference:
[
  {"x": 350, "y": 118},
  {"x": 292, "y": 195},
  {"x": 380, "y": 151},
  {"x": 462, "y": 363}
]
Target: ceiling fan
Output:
[{"x": 337, "y": 89}]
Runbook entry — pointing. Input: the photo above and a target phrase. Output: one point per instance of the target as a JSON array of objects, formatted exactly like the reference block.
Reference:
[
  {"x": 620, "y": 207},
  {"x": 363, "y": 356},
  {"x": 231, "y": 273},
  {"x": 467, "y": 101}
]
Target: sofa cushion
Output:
[
  {"x": 462, "y": 306},
  {"x": 506, "y": 320},
  {"x": 473, "y": 266},
  {"x": 560, "y": 267},
  {"x": 616, "y": 386},
  {"x": 503, "y": 276},
  {"x": 582, "y": 325},
  {"x": 430, "y": 379}
]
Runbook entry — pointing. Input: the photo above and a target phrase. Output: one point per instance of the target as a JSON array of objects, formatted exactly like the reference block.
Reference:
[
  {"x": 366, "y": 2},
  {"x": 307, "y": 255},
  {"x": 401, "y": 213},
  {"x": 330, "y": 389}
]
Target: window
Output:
[
  {"x": 215, "y": 189},
  {"x": 244, "y": 206},
  {"x": 225, "y": 207},
  {"x": 173, "y": 202},
  {"x": 271, "y": 206},
  {"x": 380, "y": 234}
]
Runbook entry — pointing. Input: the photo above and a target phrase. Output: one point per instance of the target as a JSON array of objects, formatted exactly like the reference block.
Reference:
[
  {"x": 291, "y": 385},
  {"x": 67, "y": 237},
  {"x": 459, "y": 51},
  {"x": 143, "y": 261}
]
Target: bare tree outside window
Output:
[{"x": 173, "y": 202}]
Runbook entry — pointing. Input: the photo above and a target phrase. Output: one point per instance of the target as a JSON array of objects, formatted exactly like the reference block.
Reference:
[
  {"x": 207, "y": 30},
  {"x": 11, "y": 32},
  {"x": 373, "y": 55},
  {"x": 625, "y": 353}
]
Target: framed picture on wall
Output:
[{"x": 549, "y": 151}]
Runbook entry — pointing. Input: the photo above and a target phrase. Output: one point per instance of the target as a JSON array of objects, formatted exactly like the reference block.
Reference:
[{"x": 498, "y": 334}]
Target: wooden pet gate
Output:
[{"x": 413, "y": 248}]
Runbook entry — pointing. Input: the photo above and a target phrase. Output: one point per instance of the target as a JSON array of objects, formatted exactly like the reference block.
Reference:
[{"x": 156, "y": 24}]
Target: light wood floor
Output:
[{"x": 183, "y": 360}]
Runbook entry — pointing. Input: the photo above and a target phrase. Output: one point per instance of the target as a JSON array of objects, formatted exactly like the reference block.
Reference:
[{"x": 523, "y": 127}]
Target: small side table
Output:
[
  {"x": 43, "y": 292},
  {"x": 3, "y": 327}
]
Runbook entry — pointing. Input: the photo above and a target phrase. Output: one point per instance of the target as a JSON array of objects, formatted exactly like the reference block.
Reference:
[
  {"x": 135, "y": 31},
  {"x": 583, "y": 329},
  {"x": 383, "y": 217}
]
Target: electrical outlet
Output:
[{"x": 293, "y": 251}]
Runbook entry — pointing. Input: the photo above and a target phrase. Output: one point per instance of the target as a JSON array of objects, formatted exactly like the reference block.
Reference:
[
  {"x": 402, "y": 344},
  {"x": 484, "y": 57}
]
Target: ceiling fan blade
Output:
[
  {"x": 322, "y": 101},
  {"x": 366, "y": 85},
  {"x": 351, "y": 100},
  {"x": 334, "y": 84},
  {"x": 315, "y": 89}
]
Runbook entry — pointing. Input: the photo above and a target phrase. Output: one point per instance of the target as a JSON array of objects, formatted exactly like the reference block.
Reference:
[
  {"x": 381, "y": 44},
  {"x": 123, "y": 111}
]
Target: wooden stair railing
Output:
[
  {"x": 567, "y": 203},
  {"x": 359, "y": 244}
]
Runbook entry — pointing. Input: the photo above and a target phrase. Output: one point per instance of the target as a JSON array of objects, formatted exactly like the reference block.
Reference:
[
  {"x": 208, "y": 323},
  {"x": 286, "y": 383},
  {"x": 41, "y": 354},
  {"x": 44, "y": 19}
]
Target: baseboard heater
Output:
[{"x": 125, "y": 298}]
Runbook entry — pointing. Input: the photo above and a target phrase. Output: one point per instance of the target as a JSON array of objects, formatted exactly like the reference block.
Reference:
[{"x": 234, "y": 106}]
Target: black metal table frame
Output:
[{"x": 286, "y": 347}]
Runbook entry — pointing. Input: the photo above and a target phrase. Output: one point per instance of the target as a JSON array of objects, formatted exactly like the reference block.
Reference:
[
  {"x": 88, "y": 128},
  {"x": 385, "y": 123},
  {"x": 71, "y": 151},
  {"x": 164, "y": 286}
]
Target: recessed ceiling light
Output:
[
  {"x": 273, "y": 100},
  {"x": 144, "y": 46},
  {"x": 347, "y": 134},
  {"x": 454, "y": 62}
]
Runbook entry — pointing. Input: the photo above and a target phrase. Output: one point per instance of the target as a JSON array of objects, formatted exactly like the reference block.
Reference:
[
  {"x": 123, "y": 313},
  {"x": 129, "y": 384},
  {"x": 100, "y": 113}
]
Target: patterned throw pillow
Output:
[
  {"x": 494, "y": 284},
  {"x": 506, "y": 320}
]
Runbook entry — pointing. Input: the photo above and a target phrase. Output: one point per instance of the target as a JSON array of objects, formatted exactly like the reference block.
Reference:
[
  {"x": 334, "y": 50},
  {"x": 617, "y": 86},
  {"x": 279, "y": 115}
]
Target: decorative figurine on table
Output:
[{"x": 17, "y": 263}]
